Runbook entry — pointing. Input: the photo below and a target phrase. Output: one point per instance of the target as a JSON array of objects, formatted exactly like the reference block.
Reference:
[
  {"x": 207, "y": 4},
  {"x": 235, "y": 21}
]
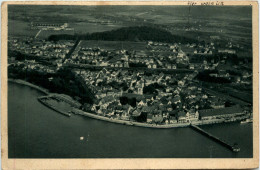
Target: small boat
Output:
[
  {"x": 247, "y": 121},
  {"x": 81, "y": 138},
  {"x": 235, "y": 148}
]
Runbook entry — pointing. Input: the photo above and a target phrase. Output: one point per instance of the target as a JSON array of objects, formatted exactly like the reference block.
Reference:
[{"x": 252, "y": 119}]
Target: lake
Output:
[{"x": 35, "y": 131}]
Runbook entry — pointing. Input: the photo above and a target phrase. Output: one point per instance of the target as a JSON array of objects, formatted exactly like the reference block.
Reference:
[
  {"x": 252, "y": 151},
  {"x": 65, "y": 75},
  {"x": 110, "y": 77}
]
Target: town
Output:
[{"x": 155, "y": 83}]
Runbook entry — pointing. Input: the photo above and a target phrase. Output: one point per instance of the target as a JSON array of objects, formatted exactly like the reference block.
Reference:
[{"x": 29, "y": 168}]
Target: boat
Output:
[
  {"x": 249, "y": 120},
  {"x": 235, "y": 149}
]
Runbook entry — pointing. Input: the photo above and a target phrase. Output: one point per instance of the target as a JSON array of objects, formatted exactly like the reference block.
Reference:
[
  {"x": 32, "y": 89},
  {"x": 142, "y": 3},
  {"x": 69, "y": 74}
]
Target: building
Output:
[
  {"x": 192, "y": 66},
  {"x": 49, "y": 26},
  {"x": 149, "y": 118},
  {"x": 181, "y": 117},
  {"x": 229, "y": 51},
  {"x": 227, "y": 112}
]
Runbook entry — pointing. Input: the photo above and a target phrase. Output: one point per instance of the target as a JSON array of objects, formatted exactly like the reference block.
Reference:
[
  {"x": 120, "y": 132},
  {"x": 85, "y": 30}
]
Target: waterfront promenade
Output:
[
  {"x": 125, "y": 122},
  {"x": 174, "y": 125}
]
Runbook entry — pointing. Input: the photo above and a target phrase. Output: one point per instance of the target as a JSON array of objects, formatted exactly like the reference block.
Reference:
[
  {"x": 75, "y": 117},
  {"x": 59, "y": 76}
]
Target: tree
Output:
[{"x": 123, "y": 100}]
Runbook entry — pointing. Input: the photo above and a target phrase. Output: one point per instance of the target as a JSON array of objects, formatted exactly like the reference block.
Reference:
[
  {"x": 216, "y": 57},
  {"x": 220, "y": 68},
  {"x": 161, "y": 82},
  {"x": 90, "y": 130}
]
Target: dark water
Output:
[{"x": 35, "y": 131}]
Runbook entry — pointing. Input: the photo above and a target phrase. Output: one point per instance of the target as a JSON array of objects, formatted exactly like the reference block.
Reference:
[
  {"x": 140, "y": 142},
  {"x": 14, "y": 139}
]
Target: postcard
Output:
[{"x": 129, "y": 85}]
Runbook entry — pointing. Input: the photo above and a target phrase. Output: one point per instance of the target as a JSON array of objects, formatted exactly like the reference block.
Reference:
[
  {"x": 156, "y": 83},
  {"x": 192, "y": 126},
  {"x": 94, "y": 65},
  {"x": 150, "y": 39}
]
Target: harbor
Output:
[
  {"x": 73, "y": 107},
  {"x": 176, "y": 141},
  {"x": 43, "y": 101}
]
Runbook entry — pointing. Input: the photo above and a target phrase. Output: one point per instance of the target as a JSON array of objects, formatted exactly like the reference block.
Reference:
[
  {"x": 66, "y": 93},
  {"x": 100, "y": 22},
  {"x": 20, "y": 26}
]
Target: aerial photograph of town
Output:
[{"x": 130, "y": 81}]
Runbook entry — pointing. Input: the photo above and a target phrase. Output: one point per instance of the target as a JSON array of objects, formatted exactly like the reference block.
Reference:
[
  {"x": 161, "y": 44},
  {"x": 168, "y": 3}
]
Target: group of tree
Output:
[
  {"x": 136, "y": 33},
  {"x": 63, "y": 81},
  {"x": 229, "y": 58},
  {"x": 126, "y": 100},
  {"x": 152, "y": 88},
  {"x": 205, "y": 76},
  {"x": 137, "y": 65}
]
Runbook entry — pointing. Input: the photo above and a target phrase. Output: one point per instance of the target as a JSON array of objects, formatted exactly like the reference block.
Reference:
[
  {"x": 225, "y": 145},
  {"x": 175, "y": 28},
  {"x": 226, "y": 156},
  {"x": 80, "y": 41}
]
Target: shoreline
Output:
[
  {"x": 166, "y": 126},
  {"x": 126, "y": 122},
  {"x": 23, "y": 82}
]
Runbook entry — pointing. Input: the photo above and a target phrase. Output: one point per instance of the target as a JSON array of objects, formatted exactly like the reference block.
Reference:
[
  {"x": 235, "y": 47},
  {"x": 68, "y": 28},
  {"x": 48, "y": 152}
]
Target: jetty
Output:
[
  {"x": 42, "y": 100},
  {"x": 234, "y": 148}
]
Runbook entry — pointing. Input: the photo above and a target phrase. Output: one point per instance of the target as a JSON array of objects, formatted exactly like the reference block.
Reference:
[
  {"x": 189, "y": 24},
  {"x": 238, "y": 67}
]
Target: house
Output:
[
  {"x": 217, "y": 105},
  {"x": 172, "y": 120},
  {"x": 142, "y": 103},
  {"x": 206, "y": 67},
  {"x": 229, "y": 51},
  {"x": 149, "y": 118},
  {"x": 193, "y": 115},
  {"x": 181, "y": 54},
  {"x": 140, "y": 87},
  {"x": 168, "y": 66},
  {"x": 181, "y": 116},
  {"x": 191, "y": 66},
  {"x": 181, "y": 83},
  {"x": 176, "y": 99},
  {"x": 223, "y": 73},
  {"x": 150, "y": 43},
  {"x": 157, "y": 118}
]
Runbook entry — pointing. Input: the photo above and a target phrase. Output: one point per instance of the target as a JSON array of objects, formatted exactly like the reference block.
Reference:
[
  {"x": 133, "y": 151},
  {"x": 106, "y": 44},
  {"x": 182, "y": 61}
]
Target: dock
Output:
[
  {"x": 41, "y": 99},
  {"x": 233, "y": 148}
]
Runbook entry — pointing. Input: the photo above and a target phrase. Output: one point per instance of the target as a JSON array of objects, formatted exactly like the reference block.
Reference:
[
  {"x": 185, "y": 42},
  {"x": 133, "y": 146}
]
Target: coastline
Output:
[
  {"x": 166, "y": 126},
  {"x": 125, "y": 122},
  {"x": 23, "y": 82}
]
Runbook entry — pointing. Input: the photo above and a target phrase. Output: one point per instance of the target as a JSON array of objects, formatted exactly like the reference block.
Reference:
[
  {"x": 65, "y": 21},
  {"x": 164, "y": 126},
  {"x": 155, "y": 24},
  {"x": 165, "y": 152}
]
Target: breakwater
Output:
[
  {"x": 65, "y": 98},
  {"x": 42, "y": 100},
  {"x": 221, "y": 141}
]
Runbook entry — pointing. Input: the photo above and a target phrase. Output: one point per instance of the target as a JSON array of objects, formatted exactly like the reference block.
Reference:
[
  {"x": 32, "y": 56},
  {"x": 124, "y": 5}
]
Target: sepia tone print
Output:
[{"x": 131, "y": 81}]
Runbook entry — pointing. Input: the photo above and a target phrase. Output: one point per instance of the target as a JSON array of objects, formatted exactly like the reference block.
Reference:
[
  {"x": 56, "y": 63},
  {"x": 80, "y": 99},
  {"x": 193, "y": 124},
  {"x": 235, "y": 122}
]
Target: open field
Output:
[
  {"x": 46, "y": 33},
  {"x": 25, "y": 30},
  {"x": 84, "y": 27},
  {"x": 18, "y": 28},
  {"x": 235, "y": 23}
]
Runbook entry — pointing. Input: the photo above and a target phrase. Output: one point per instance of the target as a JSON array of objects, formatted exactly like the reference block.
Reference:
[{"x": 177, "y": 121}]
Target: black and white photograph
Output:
[{"x": 130, "y": 81}]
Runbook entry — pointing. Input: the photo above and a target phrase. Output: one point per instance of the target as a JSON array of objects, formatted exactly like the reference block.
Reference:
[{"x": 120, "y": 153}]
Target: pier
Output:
[
  {"x": 234, "y": 148},
  {"x": 41, "y": 99}
]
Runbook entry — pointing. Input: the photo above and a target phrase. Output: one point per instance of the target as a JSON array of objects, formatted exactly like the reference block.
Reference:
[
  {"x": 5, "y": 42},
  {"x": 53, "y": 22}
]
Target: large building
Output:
[
  {"x": 49, "y": 26},
  {"x": 226, "y": 112}
]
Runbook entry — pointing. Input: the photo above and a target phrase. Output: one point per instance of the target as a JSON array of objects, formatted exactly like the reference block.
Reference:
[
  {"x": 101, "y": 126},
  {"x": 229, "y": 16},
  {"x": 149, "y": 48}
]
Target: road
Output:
[{"x": 87, "y": 66}]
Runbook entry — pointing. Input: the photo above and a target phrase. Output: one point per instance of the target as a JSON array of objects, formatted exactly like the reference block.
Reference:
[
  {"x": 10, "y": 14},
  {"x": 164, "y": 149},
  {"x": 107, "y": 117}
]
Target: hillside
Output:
[{"x": 138, "y": 33}]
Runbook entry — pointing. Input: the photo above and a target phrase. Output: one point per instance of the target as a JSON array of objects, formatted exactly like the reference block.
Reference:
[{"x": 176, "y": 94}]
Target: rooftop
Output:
[{"x": 221, "y": 111}]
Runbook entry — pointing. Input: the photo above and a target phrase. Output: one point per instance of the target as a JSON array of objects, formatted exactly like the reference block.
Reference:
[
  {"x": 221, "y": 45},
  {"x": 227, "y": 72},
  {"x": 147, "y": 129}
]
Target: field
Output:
[
  {"x": 21, "y": 28},
  {"x": 114, "y": 45},
  {"x": 46, "y": 33},
  {"x": 84, "y": 27},
  {"x": 18, "y": 28}
]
